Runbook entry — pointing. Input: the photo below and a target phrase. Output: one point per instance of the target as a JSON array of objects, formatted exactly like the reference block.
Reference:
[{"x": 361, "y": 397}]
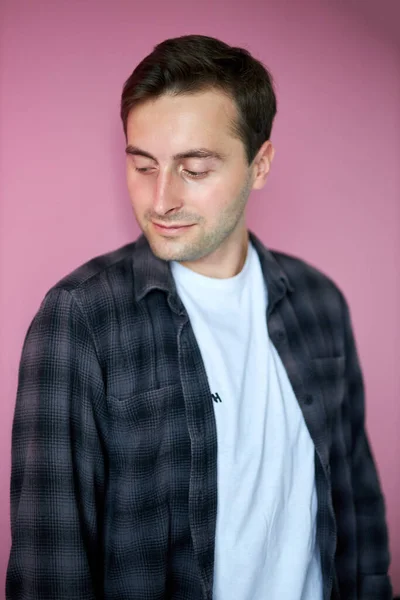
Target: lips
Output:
[
  {"x": 170, "y": 226},
  {"x": 170, "y": 229}
]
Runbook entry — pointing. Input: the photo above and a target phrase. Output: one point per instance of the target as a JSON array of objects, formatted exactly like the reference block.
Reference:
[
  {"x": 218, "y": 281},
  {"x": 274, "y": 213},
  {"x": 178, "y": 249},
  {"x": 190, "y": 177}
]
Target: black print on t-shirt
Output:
[{"x": 216, "y": 397}]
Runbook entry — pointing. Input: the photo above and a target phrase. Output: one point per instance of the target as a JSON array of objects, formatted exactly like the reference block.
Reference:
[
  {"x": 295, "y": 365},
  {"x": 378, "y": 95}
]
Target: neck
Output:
[{"x": 227, "y": 261}]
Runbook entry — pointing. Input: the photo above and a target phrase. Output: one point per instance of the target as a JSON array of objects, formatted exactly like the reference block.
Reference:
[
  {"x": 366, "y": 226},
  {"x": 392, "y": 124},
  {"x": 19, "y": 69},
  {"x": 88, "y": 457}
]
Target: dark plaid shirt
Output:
[{"x": 114, "y": 451}]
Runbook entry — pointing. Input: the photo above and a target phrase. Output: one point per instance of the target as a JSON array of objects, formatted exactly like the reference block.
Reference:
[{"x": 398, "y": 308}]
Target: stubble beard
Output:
[{"x": 207, "y": 242}]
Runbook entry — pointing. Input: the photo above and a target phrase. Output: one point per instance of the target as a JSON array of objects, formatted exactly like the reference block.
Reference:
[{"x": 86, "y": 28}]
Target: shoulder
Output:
[
  {"x": 314, "y": 295},
  {"x": 318, "y": 304},
  {"x": 97, "y": 269},
  {"x": 91, "y": 289},
  {"x": 298, "y": 274},
  {"x": 307, "y": 278}
]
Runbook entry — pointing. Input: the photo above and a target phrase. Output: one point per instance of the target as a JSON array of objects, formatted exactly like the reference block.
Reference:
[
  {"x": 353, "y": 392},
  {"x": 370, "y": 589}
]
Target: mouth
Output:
[{"x": 170, "y": 229}]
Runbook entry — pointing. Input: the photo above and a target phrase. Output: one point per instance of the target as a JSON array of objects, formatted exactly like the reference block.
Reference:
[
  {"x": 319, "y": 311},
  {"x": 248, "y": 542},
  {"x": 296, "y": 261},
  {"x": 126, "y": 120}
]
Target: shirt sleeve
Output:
[
  {"x": 57, "y": 476},
  {"x": 372, "y": 534}
]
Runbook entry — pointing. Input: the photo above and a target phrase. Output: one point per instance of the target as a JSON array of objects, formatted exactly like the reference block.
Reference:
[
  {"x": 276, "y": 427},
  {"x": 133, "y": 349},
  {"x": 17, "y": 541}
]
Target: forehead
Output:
[{"x": 201, "y": 119}]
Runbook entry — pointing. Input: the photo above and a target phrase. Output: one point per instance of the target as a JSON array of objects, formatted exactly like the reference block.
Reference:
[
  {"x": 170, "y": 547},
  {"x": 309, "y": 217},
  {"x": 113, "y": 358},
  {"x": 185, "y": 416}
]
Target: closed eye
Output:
[
  {"x": 195, "y": 174},
  {"x": 143, "y": 169}
]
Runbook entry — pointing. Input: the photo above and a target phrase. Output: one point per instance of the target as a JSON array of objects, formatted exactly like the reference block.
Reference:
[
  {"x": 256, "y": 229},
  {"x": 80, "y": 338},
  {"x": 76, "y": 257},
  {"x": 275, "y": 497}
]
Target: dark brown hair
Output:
[{"x": 194, "y": 63}]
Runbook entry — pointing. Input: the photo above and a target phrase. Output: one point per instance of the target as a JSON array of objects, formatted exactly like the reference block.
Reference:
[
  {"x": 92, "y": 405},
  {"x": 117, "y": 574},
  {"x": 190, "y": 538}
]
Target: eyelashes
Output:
[
  {"x": 192, "y": 174},
  {"x": 195, "y": 174}
]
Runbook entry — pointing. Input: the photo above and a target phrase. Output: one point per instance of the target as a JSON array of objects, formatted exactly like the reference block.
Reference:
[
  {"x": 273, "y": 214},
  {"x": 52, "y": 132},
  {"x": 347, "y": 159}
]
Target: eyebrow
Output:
[{"x": 193, "y": 153}]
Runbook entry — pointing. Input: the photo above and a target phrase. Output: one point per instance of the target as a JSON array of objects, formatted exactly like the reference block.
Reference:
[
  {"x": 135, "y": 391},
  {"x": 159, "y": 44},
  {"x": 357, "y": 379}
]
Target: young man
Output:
[{"x": 190, "y": 413}]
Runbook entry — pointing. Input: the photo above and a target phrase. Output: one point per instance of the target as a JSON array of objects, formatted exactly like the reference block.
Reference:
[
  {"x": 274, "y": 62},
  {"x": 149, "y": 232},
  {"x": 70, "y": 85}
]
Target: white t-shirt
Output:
[{"x": 265, "y": 544}]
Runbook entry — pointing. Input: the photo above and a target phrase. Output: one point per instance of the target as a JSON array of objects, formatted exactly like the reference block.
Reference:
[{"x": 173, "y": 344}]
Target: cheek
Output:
[
  {"x": 220, "y": 193},
  {"x": 139, "y": 188}
]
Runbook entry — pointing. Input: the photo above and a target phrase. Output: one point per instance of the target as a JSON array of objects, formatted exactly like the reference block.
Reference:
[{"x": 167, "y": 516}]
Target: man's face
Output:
[{"x": 188, "y": 177}]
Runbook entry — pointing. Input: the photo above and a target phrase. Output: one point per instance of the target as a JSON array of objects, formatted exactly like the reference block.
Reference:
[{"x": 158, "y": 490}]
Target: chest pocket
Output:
[{"x": 141, "y": 427}]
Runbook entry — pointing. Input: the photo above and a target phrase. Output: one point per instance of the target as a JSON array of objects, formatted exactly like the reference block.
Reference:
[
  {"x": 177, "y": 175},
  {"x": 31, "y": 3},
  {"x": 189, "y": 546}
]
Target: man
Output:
[{"x": 190, "y": 413}]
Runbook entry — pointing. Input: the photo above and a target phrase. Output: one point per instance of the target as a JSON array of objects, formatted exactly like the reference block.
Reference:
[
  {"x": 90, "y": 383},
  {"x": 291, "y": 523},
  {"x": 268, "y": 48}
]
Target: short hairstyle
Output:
[{"x": 195, "y": 63}]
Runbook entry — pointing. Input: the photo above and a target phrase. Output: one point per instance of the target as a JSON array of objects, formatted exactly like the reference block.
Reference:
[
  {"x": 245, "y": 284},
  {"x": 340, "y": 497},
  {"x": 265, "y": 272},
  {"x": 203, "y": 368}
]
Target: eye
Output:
[
  {"x": 195, "y": 174},
  {"x": 143, "y": 169}
]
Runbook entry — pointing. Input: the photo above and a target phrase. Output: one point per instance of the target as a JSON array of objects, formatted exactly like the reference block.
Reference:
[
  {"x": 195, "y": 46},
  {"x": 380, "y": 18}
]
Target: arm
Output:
[
  {"x": 372, "y": 536},
  {"x": 57, "y": 476}
]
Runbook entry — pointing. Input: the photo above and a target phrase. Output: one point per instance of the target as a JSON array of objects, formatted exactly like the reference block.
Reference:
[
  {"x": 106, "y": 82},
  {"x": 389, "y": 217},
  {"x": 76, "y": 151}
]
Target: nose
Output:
[{"x": 166, "y": 197}]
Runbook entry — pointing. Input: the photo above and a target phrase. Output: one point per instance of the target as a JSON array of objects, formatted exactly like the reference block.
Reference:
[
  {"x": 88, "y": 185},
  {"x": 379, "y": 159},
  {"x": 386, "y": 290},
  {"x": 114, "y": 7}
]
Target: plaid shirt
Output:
[{"x": 114, "y": 448}]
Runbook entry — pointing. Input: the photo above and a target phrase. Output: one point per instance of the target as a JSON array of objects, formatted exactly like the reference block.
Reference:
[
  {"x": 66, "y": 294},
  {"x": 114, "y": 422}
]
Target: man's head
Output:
[{"x": 197, "y": 115}]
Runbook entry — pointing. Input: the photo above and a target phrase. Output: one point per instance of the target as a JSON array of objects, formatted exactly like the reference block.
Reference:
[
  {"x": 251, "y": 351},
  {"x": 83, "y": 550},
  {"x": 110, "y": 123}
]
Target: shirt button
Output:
[{"x": 308, "y": 399}]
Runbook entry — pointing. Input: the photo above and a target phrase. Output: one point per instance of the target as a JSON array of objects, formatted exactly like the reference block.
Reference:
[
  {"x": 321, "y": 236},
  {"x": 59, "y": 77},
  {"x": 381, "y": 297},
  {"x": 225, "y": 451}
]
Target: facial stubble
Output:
[{"x": 207, "y": 241}]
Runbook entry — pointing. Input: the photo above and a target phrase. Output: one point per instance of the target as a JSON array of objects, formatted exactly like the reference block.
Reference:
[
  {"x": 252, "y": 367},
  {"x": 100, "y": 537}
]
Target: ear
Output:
[{"x": 262, "y": 164}]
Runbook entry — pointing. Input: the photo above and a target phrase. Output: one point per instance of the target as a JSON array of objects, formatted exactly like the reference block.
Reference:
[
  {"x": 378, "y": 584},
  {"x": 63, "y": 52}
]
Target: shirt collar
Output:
[
  {"x": 276, "y": 279},
  {"x": 152, "y": 273}
]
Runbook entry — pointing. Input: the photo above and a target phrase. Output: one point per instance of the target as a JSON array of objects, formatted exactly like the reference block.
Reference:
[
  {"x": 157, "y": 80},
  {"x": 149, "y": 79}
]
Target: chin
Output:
[
  {"x": 188, "y": 247},
  {"x": 164, "y": 249}
]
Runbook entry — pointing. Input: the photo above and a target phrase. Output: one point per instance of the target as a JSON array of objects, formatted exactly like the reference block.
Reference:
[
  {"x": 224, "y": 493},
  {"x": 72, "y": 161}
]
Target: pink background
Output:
[{"x": 332, "y": 197}]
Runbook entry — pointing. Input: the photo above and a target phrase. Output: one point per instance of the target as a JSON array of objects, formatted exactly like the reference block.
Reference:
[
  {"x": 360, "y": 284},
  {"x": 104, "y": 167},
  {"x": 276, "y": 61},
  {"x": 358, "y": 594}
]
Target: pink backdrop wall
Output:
[{"x": 332, "y": 197}]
